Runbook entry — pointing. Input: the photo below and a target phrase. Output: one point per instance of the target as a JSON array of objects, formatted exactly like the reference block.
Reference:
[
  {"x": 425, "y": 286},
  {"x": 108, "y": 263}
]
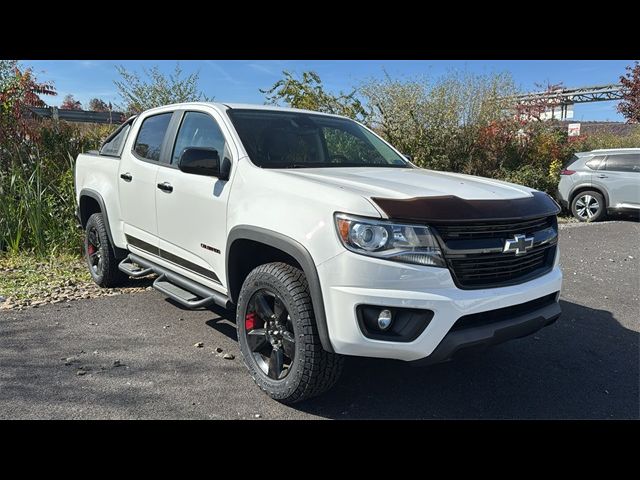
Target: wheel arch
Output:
[
  {"x": 90, "y": 202},
  {"x": 583, "y": 188},
  {"x": 260, "y": 245}
]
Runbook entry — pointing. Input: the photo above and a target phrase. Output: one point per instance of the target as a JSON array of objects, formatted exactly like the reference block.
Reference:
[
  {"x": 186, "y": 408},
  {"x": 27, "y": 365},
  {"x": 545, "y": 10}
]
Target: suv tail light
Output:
[{"x": 567, "y": 172}]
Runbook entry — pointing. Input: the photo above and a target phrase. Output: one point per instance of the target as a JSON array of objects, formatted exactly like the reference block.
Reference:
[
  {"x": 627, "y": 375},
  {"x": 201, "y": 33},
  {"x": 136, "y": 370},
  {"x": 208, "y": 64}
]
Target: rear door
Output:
[
  {"x": 192, "y": 209},
  {"x": 136, "y": 181},
  {"x": 620, "y": 175},
  {"x": 589, "y": 175}
]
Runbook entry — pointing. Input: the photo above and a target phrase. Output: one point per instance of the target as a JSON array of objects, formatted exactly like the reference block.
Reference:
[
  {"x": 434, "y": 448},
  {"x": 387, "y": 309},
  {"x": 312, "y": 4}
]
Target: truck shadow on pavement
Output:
[{"x": 583, "y": 366}]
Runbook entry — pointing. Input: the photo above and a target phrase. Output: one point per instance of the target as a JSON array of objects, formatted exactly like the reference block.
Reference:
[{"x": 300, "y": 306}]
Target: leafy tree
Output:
[
  {"x": 18, "y": 91},
  {"x": 156, "y": 89},
  {"x": 70, "y": 103},
  {"x": 308, "y": 93},
  {"x": 440, "y": 122},
  {"x": 629, "y": 107},
  {"x": 7, "y": 70},
  {"x": 99, "y": 105}
]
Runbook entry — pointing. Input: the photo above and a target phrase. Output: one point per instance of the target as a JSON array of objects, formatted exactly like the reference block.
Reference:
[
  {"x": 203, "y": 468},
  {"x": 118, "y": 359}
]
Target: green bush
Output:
[
  {"x": 529, "y": 176},
  {"x": 37, "y": 200}
]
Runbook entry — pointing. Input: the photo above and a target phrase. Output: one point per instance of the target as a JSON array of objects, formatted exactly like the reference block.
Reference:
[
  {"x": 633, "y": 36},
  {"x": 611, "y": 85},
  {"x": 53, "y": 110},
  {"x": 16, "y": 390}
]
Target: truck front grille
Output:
[
  {"x": 483, "y": 264},
  {"x": 502, "y": 229},
  {"x": 480, "y": 271}
]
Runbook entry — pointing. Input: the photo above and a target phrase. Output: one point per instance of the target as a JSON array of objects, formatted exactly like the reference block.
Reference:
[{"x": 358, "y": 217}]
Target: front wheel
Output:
[
  {"x": 588, "y": 206},
  {"x": 278, "y": 335}
]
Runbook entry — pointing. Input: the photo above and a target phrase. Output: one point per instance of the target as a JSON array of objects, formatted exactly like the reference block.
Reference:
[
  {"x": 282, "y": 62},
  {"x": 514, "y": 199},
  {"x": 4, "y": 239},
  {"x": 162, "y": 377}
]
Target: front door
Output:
[
  {"x": 620, "y": 175},
  {"x": 136, "y": 182},
  {"x": 192, "y": 209}
]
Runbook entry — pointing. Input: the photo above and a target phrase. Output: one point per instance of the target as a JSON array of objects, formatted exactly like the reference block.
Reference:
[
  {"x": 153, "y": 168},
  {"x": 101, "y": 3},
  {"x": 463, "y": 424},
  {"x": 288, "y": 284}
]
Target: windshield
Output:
[{"x": 281, "y": 139}]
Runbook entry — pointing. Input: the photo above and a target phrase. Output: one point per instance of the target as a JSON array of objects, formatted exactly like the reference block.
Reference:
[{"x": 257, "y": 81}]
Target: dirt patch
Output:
[{"x": 28, "y": 282}]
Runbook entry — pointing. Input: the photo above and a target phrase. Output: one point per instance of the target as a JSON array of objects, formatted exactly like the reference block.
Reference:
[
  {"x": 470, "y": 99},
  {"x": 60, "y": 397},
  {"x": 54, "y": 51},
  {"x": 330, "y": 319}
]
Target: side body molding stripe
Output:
[{"x": 158, "y": 252}]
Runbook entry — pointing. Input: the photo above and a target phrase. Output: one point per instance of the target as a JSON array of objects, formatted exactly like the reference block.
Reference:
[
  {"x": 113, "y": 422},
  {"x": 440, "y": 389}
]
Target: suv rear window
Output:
[
  {"x": 594, "y": 163},
  {"x": 151, "y": 136}
]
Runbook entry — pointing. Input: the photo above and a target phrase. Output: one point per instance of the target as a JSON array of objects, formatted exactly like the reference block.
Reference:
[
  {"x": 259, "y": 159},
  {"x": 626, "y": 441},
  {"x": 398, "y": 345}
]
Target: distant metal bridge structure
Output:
[
  {"x": 561, "y": 100},
  {"x": 82, "y": 116},
  {"x": 602, "y": 93}
]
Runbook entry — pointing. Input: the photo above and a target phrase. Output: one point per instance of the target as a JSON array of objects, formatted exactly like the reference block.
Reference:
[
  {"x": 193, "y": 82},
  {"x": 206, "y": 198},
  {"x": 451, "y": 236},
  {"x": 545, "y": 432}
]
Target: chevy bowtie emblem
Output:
[{"x": 519, "y": 244}]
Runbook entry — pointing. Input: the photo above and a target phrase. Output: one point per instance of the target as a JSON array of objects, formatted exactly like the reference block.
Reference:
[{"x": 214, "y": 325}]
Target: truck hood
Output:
[{"x": 402, "y": 183}]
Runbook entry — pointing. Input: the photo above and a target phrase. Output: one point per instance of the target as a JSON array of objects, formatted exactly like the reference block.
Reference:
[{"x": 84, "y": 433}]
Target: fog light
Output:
[{"x": 384, "y": 319}]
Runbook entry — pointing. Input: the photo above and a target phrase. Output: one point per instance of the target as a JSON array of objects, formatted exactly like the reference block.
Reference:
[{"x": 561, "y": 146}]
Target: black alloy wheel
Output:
[
  {"x": 94, "y": 252},
  {"x": 270, "y": 334}
]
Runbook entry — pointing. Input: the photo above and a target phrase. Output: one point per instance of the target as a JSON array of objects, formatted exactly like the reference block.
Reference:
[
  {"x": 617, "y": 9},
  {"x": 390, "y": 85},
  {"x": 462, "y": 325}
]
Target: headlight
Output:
[{"x": 391, "y": 241}]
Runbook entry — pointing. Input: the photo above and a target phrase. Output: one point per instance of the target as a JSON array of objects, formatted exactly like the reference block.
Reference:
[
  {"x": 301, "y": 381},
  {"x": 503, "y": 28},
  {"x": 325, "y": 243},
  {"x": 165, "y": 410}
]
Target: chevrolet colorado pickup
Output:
[{"x": 325, "y": 239}]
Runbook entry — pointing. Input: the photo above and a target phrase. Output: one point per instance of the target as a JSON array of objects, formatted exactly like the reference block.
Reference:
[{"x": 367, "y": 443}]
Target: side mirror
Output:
[
  {"x": 202, "y": 161},
  {"x": 408, "y": 157}
]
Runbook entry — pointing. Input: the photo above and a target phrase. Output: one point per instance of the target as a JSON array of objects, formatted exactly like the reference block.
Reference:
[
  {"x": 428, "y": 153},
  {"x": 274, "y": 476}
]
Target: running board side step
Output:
[
  {"x": 180, "y": 295},
  {"x": 133, "y": 269},
  {"x": 183, "y": 290}
]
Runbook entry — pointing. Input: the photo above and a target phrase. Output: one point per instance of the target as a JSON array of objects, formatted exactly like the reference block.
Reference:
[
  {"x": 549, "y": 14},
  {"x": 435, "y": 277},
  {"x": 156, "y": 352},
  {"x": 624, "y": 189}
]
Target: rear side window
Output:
[
  {"x": 198, "y": 130},
  {"x": 594, "y": 163},
  {"x": 113, "y": 146},
  {"x": 151, "y": 136},
  {"x": 628, "y": 162}
]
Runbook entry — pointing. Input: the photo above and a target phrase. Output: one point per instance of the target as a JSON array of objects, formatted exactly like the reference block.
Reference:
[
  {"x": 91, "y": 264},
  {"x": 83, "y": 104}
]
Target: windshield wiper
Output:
[{"x": 297, "y": 165}]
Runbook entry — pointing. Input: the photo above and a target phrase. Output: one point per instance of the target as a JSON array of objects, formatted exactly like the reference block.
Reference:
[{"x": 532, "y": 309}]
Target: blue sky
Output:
[{"x": 239, "y": 80}]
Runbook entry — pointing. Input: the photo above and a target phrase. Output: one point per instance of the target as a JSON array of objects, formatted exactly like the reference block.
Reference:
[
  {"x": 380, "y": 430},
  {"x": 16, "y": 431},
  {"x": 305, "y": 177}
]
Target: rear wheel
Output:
[
  {"x": 98, "y": 252},
  {"x": 588, "y": 206},
  {"x": 278, "y": 335}
]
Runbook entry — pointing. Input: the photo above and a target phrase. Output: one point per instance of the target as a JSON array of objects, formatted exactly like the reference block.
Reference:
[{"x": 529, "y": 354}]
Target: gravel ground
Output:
[
  {"x": 141, "y": 356},
  {"x": 26, "y": 282}
]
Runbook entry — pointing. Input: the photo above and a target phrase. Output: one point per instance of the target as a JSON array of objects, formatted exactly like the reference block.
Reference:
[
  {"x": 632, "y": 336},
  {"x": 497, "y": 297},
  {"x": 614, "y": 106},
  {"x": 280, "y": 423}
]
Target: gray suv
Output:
[{"x": 601, "y": 181}]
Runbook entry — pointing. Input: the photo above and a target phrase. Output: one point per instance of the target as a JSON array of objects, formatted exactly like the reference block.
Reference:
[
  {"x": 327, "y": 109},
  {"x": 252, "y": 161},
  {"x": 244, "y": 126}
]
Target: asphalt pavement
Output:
[{"x": 134, "y": 356}]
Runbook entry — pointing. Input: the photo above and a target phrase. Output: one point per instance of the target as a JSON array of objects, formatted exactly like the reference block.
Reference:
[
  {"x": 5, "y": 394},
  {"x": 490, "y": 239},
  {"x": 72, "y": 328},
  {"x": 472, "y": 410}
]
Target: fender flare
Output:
[
  {"x": 296, "y": 250},
  {"x": 87, "y": 192}
]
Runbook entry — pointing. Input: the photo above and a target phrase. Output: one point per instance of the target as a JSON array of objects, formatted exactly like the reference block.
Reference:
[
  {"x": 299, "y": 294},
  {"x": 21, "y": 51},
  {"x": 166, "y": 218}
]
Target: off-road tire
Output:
[
  {"x": 313, "y": 371},
  {"x": 107, "y": 275}
]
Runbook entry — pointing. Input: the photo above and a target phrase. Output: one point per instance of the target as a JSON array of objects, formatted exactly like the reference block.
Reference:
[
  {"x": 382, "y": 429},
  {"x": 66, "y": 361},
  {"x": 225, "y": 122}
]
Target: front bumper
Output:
[
  {"x": 349, "y": 280},
  {"x": 479, "y": 338}
]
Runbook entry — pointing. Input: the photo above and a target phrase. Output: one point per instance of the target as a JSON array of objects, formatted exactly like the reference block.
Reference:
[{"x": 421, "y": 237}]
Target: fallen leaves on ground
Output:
[{"x": 27, "y": 281}]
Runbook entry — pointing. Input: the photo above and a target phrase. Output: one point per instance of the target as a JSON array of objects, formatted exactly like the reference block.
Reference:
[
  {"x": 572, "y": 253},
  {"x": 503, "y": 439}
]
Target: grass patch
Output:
[
  {"x": 26, "y": 277},
  {"x": 27, "y": 280}
]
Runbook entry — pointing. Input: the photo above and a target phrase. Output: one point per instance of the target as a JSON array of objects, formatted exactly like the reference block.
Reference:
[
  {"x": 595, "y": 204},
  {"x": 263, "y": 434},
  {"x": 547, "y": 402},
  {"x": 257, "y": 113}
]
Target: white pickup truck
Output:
[{"x": 325, "y": 239}]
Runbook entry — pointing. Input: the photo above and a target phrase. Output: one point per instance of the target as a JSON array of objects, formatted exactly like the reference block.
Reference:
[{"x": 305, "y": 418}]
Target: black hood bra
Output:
[{"x": 452, "y": 209}]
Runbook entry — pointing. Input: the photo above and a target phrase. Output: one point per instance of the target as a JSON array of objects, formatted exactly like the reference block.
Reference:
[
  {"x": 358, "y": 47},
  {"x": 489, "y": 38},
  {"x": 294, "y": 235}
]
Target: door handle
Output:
[
  {"x": 165, "y": 187},
  {"x": 603, "y": 176},
  {"x": 126, "y": 177}
]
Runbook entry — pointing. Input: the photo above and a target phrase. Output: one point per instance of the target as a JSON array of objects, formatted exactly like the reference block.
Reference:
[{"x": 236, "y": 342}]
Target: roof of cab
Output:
[
  {"x": 240, "y": 106},
  {"x": 249, "y": 106}
]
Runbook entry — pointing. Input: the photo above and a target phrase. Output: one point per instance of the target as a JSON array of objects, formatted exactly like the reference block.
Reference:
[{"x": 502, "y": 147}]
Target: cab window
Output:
[
  {"x": 198, "y": 130},
  {"x": 151, "y": 135}
]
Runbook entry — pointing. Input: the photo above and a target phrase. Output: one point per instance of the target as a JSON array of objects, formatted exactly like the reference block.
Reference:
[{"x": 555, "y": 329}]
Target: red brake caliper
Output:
[
  {"x": 91, "y": 249},
  {"x": 250, "y": 321}
]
